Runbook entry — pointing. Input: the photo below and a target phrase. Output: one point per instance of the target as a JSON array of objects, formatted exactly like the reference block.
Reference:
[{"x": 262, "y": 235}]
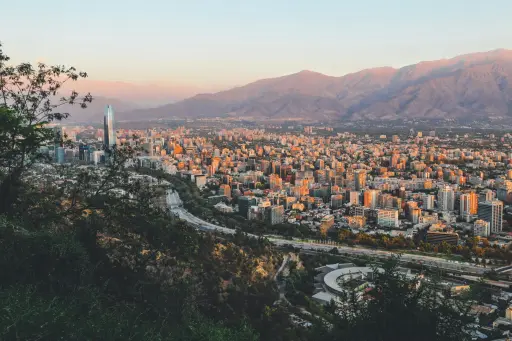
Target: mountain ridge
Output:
[{"x": 473, "y": 86}]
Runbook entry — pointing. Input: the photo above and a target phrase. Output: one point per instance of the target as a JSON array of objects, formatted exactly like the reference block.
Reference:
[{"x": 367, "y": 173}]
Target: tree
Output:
[
  {"x": 480, "y": 292},
  {"x": 27, "y": 104},
  {"x": 400, "y": 308}
]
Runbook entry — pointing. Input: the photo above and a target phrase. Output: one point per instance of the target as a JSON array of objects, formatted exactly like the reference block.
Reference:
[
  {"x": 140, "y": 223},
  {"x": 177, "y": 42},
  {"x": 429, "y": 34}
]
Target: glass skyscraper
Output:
[{"x": 109, "y": 132}]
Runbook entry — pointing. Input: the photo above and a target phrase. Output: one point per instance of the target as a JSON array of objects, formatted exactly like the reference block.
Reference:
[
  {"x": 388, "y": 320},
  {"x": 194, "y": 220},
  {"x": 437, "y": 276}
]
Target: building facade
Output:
[
  {"x": 446, "y": 199},
  {"x": 492, "y": 212},
  {"x": 468, "y": 205},
  {"x": 388, "y": 218}
]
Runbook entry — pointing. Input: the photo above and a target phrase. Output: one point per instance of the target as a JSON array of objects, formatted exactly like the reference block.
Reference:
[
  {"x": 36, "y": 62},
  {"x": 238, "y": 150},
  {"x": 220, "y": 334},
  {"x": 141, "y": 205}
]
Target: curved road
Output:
[{"x": 176, "y": 206}]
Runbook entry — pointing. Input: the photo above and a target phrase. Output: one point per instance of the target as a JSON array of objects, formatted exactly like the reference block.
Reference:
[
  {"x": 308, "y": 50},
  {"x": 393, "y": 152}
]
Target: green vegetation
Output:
[
  {"x": 396, "y": 308},
  {"x": 473, "y": 248}
]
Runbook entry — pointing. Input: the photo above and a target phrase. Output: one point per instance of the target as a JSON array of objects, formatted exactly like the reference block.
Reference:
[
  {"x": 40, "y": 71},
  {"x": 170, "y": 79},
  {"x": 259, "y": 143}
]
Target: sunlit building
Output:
[{"x": 492, "y": 212}]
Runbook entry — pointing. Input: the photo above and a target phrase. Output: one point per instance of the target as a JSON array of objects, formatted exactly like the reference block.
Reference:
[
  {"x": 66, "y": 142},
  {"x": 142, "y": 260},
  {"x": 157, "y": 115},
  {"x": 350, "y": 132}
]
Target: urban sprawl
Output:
[{"x": 421, "y": 193}]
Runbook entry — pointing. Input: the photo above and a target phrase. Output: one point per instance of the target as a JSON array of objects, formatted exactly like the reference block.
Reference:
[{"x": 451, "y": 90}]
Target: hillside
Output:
[{"x": 473, "y": 86}]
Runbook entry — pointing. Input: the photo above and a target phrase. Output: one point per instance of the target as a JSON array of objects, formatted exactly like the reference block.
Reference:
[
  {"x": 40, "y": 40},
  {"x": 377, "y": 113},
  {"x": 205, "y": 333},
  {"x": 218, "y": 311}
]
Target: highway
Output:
[{"x": 176, "y": 206}]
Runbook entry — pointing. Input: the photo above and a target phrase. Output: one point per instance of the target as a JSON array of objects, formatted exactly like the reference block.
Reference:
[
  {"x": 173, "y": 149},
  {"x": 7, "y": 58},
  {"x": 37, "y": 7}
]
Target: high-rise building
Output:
[
  {"x": 244, "y": 203},
  {"x": 428, "y": 201},
  {"x": 504, "y": 192},
  {"x": 468, "y": 205},
  {"x": 336, "y": 201},
  {"x": 275, "y": 182},
  {"x": 371, "y": 197},
  {"x": 414, "y": 215},
  {"x": 276, "y": 215},
  {"x": 354, "y": 198},
  {"x": 319, "y": 164},
  {"x": 446, "y": 199},
  {"x": 492, "y": 212},
  {"x": 386, "y": 200},
  {"x": 359, "y": 179},
  {"x": 84, "y": 152},
  {"x": 109, "y": 132}
]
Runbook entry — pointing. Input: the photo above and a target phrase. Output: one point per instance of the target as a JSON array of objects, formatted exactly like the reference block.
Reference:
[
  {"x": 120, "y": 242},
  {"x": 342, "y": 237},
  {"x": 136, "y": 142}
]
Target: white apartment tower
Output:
[{"x": 446, "y": 198}]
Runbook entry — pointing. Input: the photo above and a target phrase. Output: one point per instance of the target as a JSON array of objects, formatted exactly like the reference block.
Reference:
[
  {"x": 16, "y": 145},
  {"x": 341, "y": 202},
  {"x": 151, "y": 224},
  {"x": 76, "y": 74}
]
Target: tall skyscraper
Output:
[
  {"x": 109, "y": 132},
  {"x": 492, "y": 212},
  {"x": 446, "y": 198},
  {"x": 468, "y": 205}
]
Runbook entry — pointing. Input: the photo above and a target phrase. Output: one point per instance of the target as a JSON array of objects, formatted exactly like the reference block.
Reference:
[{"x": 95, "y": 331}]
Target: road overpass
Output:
[{"x": 503, "y": 269}]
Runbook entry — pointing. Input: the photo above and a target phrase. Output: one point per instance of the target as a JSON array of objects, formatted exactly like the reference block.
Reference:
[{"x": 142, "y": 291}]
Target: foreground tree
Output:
[
  {"x": 401, "y": 308},
  {"x": 29, "y": 100}
]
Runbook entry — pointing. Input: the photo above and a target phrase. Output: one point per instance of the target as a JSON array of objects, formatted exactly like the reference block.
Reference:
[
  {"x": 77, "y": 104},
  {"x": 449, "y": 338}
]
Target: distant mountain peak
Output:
[
  {"x": 476, "y": 85},
  {"x": 308, "y": 72}
]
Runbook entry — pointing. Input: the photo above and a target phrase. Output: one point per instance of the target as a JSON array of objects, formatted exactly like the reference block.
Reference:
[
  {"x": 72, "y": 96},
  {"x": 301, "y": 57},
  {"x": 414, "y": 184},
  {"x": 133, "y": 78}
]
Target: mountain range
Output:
[
  {"x": 472, "y": 86},
  {"x": 123, "y": 96}
]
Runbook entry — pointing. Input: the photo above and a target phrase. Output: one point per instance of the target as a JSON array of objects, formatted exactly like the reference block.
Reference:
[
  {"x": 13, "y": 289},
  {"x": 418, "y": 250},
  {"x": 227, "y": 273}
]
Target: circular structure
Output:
[{"x": 355, "y": 277}]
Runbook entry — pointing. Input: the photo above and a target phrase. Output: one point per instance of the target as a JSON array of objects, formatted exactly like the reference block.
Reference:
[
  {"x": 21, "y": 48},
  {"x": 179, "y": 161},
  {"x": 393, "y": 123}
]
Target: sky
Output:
[{"x": 223, "y": 43}]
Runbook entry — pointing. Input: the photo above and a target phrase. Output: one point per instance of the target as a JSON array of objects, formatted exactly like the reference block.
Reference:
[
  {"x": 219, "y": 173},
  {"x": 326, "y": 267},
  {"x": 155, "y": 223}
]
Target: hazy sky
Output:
[{"x": 231, "y": 42}]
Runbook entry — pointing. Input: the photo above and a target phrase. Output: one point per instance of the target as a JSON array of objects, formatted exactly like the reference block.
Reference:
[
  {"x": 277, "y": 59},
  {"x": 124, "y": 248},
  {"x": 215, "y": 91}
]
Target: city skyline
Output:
[{"x": 218, "y": 45}]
